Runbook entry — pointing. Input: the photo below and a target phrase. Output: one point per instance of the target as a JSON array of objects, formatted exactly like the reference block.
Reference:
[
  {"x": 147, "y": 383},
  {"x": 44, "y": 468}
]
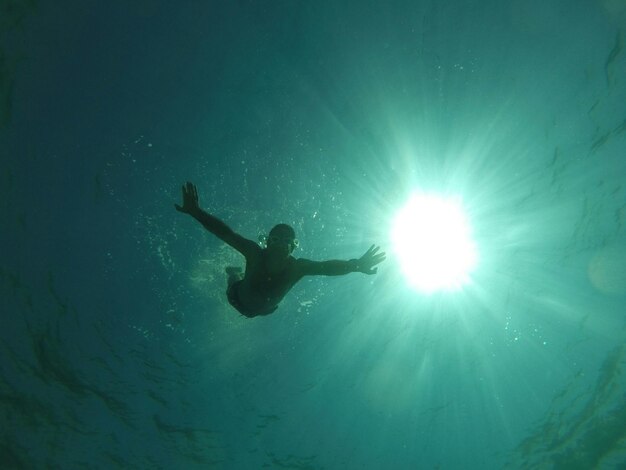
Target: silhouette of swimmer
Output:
[{"x": 270, "y": 272}]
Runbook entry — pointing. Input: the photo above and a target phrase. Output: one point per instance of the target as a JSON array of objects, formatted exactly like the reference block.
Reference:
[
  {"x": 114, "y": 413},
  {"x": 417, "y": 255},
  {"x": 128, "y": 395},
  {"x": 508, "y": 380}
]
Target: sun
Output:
[{"x": 432, "y": 239}]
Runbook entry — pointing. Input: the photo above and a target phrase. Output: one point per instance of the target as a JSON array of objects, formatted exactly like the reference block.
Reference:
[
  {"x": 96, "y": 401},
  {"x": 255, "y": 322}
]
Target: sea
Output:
[{"x": 118, "y": 347}]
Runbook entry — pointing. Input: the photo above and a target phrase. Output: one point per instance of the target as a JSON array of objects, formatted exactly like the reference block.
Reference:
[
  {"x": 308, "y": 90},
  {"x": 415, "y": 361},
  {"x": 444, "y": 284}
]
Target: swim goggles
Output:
[{"x": 270, "y": 240}]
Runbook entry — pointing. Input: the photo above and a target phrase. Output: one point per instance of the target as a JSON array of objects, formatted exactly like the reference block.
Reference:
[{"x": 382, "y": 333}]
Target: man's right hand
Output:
[
  {"x": 365, "y": 264},
  {"x": 190, "y": 199}
]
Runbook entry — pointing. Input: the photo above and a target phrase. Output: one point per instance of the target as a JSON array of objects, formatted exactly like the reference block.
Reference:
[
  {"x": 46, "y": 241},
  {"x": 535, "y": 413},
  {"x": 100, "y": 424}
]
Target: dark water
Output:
[{"x": 118, "y": 347}]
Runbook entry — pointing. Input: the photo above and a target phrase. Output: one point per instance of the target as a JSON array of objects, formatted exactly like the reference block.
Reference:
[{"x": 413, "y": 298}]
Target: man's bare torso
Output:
[{"x": 264, "y": 285}]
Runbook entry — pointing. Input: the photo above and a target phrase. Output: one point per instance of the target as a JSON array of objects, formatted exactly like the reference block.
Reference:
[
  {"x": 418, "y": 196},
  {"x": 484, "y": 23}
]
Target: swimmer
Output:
[{"x": 270, "y": 271}]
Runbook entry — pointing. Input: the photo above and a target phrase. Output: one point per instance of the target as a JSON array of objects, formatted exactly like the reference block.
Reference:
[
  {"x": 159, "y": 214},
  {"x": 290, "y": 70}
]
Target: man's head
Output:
[{"x": 282, "y": 239}]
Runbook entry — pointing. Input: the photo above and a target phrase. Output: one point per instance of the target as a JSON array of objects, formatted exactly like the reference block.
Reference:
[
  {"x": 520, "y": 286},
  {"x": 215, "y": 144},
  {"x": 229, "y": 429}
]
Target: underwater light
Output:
[{"x": 432, "y": 239}]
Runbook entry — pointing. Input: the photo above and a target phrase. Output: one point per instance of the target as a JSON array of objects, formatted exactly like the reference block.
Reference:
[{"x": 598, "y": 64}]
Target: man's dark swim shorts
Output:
[{"x": 233, "y": 298}]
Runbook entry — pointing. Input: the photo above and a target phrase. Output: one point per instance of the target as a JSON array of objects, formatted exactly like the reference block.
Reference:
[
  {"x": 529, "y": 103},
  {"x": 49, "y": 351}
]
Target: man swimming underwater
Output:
[{"x": 271, "y": 271}]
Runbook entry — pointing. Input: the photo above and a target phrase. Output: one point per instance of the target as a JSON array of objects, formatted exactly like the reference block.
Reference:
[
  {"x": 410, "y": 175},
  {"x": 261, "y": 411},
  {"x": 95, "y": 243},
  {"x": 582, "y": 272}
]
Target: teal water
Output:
[{"x": 119, "y": 349}]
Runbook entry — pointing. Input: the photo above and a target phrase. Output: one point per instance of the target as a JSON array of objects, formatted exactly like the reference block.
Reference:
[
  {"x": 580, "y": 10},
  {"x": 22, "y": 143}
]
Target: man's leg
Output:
[{"x": 234, "y": 274}]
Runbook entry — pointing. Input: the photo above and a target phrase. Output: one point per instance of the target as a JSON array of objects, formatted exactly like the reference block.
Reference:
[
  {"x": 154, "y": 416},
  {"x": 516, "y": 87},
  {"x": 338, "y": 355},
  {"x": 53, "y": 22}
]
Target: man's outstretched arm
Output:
[
  {"x": 365, "y": 264},
  {"x": 213, "y": 224}
]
